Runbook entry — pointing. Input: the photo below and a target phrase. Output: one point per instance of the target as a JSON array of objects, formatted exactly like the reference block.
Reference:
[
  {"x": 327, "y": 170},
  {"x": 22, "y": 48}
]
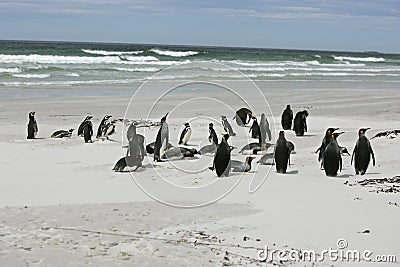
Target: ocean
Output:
[{"x": 31, "y": 64}]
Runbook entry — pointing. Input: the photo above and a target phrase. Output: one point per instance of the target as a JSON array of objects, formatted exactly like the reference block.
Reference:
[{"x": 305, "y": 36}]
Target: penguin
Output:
[
  {"x": 162, "y": 135},
  {"x": 212, "y": 138},
  {"x": 264, "y": 129},
  {"x": 136, "y": 146},
  {"x": 267, "y": 159},
  {"x": 80, "y": 128},
  {"x": 254, "y": 147},
  {"x": 344, "y": 151},
  {"x": 32, "y": 126},
  {"x": 332, "y": 160},
  {"x": 300, "y": 122},
  {"x": 208, "y": 149},
  {"x": 282, "y": 153},
  {"x": 131, "y": 132},
  {"x": 128, "y": 163},
  {"x": 243, "y": 116},
  {"x": 287, "y": 118},
  {"x": 222, "y": 158},
  {"x": 362, "y": 153},
  {"x": 325, "y": 142},
  {"x": 227, "y": 126},
  {"x": 88, "y": 131},
  {"x": 239, "y": 166},
  {"x": 150, "y": 147},
  {"x": 102, "y": 127},
  {"x": 185, "y": 135},
  {"x": 62, "y": 133},
  {"x": 179, "y": 153},
  {"x": 255, "y": 129}
]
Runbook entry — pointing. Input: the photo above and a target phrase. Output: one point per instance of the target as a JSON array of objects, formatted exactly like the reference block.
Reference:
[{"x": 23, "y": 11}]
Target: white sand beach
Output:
[{"x": 62, "y": 205}]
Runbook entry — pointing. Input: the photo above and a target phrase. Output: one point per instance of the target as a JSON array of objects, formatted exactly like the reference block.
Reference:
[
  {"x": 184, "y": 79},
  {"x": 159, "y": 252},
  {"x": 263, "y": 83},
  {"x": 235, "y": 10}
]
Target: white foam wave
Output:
[
  {"x": 138, "y": 69},
  {"x": 111, "y": 53},
  {"x": 10, "y": 70},
  {"x": 73, "y": 74},
  {"x": 34, "y": 76},
  {"x": 139, "y": 58},
  {"x": 174, "y": 53},
  {"x": 362, "y": 59}
]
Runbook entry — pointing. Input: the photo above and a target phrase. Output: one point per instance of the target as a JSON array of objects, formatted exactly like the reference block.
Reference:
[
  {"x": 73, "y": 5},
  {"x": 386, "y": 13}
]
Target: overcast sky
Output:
[{"x": 348, "y": 25}]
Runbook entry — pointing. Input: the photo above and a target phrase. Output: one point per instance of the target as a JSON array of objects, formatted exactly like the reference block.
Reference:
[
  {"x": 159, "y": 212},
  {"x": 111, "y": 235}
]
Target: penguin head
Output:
[
  {"x": 287, "y": 106},
  {"x": 164, "y": 119},
  {"x": 223, "y": 117},
  {"x": 344, "y": 150},
  {"x": 249, "y": 159},
  {"x": 305, "y": 112},
  {"x": 225, "y": 137},
  {"x": 331, "y": 130},
  {"x": 70, "y": 130},
  {"x": 32, "y": 113},
  {"x": 210, "y": 125},
  {"x": 335, "y": 135},
  {"x": 254, "y": 118},
  {"x": 89, "y": 117},
  {"x": 282, "y": 134},
  {"x": 186, "y": 124},
  {"x": 362, "y": 130}
]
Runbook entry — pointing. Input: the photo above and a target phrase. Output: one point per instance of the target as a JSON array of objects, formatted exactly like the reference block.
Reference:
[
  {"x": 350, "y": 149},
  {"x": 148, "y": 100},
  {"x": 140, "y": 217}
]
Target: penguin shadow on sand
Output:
[{"x": 292, "y": 172}]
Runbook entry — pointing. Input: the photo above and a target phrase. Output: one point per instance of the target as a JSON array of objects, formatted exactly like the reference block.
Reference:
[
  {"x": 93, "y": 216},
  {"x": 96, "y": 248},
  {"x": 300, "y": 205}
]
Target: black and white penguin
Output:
[
  {"x": 32, "y": 126},
  {"x": 227, "y": 126},
  {"x": 253, "y": 148},
  {"x": 300, "y": 122},
  {"x": 325, "y": 142},
  {"x": 179, "y": 153},
  {"x": 131, "y": 132},
  {"x": 162, "y": 136},
  {"x": 150, "y": 147},
  {"x": 62, "y": 133},
  {"x": 255, "y": 129},
  {"x": 101, "y": 130},
  {"x": 362, "y": 153},
  {"x": 243, "y": 116},
  {"x": 80, "y": 128},
  {"x": 208, "y": 149},
  {"x": 222, "y": 158},
  {"x": 212, "y": 138},
  {"x": 265, "y": 131},
  {"x": 88, "y": 131},
  {"x": 287, "y": 118},
  {"x": 282, "y": 153},
  {"x": 136, "y": 146},
  {"x": 332, "y": 159},
  {"x": 128, "y": 163},
  {"x": 239, "y": 166},
  {"x": 185, "y": 135}
]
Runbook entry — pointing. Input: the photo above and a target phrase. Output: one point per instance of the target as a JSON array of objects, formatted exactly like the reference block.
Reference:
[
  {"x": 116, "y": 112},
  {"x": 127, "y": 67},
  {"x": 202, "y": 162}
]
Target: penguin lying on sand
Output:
[
  {"x": 179, "y": 153},
  {"x": 62, "y": 133},
  {"x": 239, "y": 166},
  {"x": 150, "y": 147}
]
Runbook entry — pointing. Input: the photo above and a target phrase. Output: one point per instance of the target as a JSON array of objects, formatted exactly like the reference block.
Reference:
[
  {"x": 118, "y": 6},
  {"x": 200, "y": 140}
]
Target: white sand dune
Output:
[{"x": 52, "y": 192}]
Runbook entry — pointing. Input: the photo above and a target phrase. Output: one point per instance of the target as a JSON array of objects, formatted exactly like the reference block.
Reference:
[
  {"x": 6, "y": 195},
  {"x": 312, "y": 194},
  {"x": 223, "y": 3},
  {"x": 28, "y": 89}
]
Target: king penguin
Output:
[
  {"x": 282, "y": 153},
  {"x": 222, "y": 158},
  {"x": 300, "y": 123},
  {"x": 332, "y": 159},
  {"x": 287, "y": 118},
  {"x": 32, "y": 126},
  {"x": 325, "y": 142},
  {"x": 362, "y": 153}
]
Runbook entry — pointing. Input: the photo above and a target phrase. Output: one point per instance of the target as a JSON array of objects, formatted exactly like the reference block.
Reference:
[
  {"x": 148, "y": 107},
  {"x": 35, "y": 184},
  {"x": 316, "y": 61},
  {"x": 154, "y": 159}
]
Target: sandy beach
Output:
[{"x": 61, "y": 203}]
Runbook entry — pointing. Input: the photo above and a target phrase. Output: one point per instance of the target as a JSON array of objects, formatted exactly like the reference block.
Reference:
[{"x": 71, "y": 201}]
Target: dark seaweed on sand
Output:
[{"x": 386, "y": 133}]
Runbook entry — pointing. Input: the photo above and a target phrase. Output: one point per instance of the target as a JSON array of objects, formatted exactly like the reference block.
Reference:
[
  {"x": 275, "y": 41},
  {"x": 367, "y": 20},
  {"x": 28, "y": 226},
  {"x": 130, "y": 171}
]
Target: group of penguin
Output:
[
  {"x": 105, "y": 129},
  {"x": 329, "y": 153}
]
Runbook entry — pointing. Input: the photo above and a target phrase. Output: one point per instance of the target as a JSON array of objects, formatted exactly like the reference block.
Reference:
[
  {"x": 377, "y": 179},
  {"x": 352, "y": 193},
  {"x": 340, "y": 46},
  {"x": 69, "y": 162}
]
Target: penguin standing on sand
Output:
[
  {"x": 32, "y": 126},
  {"x": 362, "y": 153},
  {"x": 265, "y": 131},
  {"x": 300, "y": 122},
  {"x": 80, "y": 128},
  {"x": 227, "y": 126},
  {"x": 255, "y": 129},
  {"x": 222, "y": 158},
  {"x": 102, "y": 127},
  {"x": 243, "y": 116},
  {"x": 212, "y": 138},
  {"x": 282, "y": 153},
  {"x": 287, "y": 118},
  {"x": 185, "y": 135},
  {"x": 325, "y": 142},
  {"x": 332, "y": 159},
  {"x": 162, "y": 135},
  {"x": 88, "y": 131}
]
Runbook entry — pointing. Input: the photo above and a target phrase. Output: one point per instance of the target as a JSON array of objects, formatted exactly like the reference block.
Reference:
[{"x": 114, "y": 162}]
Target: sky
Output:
[{"x": 339, "y": 25}]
